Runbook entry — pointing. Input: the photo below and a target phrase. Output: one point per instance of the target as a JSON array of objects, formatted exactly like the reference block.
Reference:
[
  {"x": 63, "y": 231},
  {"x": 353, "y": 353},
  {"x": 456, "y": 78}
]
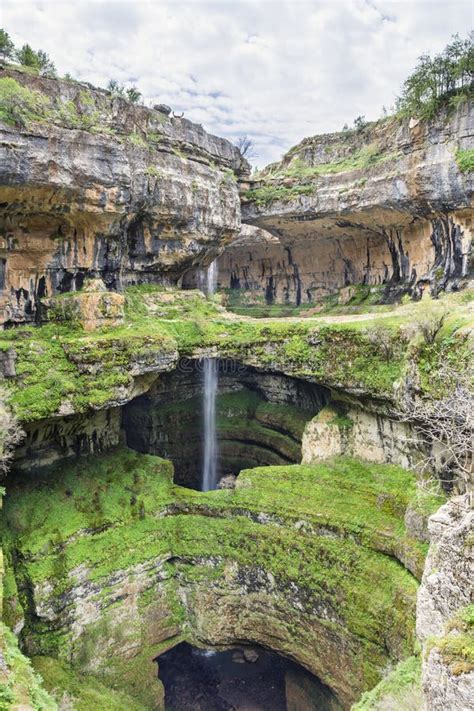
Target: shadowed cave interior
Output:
[
  {"x": 260, "y": 418},
  {"x": 239, "y": 679}
]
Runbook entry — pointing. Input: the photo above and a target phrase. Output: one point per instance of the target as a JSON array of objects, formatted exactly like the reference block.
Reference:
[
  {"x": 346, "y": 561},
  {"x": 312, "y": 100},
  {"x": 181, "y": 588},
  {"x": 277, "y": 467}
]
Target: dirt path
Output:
[{"x": 337, "y": 318}]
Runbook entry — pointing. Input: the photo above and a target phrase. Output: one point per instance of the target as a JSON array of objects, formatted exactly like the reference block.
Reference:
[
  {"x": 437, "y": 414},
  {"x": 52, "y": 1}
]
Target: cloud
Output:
[{"x": 276, "y": 71}]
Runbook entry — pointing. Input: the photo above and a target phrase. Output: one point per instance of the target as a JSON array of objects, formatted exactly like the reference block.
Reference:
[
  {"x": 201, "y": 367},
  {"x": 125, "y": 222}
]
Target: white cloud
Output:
[{"x": 277, "y": 71}]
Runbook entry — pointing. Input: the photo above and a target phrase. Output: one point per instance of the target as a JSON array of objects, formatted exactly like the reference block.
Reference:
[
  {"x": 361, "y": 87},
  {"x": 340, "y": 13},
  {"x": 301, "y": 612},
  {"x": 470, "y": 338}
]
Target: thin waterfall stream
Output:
[{"x": 209, "y": 471}]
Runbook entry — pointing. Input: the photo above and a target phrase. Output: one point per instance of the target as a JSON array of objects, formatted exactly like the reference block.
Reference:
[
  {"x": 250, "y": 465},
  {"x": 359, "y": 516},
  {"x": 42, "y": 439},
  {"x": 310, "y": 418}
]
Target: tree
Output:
[
  {"x": 133, "y": 95},
  {"x": 429, "y": 319},
  {"x": 246, "y": 147},
  {"x": 11, "y": 433},
  {"x": 447, "y": 75},
  {"x": 7, "y": 48},
  {"x": 39, "y": 60},
  {"x": 446, "y": 424},
  {"x": 46, "y": 66},
  {"x": 115, "y": 88},
  {"x": 360, "y": 123},
  {"x": 27, "y": 57}
]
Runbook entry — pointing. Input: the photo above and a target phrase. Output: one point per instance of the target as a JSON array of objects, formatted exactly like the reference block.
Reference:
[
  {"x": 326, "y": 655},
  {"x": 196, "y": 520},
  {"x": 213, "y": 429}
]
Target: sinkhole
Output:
[
  {"x": 259, "y": 419},
  {"x": 239, "y": 679}
]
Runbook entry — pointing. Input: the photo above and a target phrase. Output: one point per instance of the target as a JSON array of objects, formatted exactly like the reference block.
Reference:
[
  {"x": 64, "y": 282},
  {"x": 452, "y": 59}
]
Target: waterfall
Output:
[
  {"x": 209, "y": 471},
  {"x": 211, "y": 278}
]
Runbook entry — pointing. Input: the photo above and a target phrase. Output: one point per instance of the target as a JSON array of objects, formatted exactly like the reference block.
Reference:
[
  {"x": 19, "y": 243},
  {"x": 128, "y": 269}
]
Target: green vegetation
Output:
[
  {"x": 59, "y": 363},
  {"x": 106, "y": 513},
  {"x": 465, "y": 160},
  {"x": 271, "y": 193},
  {"x": 400, "y": 689},
  {"x": 35, "y": 61},
  {"x": 362, "y": 299},
  {"x": 20, "y": 686},
  {"x": 457, "y": 647},
  {"x": 272, "y": 190},
  {"x": 118, "y": 90},
  {"x": 18, "y": 104},
  {"x": 84, "y": 691},
  {"x": 38, "y": 61},
  {"x": 447, "y": 77},
  {"x": 7, "y": 48}
]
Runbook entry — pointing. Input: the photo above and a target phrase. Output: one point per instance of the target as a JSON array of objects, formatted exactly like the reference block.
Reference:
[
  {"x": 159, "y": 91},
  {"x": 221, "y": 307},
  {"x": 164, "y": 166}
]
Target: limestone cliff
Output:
[
  {"x": 387, "y": 207},
  {"x": 91, "y": 185},
  {"x": 445, "y": 614}
]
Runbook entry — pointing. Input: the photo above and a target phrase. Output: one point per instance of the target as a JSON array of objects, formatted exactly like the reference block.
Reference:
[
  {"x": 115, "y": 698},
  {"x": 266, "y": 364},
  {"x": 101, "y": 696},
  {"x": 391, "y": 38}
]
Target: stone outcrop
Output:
[
  {"x": 386, "y": 207},
  {"x": 93, "y": 186},
  {"x": 93, "y": 307},
  {"x": 443, "y": 624},
  {"x": 360, "y": 433}
]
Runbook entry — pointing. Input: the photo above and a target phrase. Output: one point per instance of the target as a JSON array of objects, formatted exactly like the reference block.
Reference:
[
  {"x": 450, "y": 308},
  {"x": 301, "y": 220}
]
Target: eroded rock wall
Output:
[
  {"x": 91, "y": 185},
  {"x": 259, "y": 419},
  {"x": 385, "y": 206},
  {"x": 310, "y": 267}
]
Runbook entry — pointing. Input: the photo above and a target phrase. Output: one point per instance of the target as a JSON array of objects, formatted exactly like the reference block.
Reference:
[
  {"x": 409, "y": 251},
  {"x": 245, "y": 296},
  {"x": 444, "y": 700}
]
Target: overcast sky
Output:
[{"x": 276, "y": 71}]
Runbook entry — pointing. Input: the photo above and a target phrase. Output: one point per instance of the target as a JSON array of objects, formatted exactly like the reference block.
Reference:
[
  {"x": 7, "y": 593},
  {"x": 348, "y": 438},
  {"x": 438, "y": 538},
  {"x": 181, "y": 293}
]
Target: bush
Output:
[
  {"x": 39, "y": 61},
  {"x": 429, "y": 320},
  {"x": 465, "y": 160}
]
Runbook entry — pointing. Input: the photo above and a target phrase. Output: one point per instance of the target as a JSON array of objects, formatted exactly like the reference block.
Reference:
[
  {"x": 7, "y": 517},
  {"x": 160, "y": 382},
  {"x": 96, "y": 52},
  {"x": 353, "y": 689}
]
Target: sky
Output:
[{"x": 274, "y": 71}]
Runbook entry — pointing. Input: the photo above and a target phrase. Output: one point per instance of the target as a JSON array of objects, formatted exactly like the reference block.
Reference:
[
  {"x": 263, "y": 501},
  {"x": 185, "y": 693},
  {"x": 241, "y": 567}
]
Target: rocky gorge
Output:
[{"x": 342, "y": 539}]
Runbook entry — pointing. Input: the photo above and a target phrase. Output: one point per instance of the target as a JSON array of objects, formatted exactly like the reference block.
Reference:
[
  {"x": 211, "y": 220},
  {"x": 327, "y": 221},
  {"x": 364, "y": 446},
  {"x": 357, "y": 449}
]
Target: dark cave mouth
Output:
[
  {"x": 260, "y": 418},
  {"x": 243, "y": 678}
]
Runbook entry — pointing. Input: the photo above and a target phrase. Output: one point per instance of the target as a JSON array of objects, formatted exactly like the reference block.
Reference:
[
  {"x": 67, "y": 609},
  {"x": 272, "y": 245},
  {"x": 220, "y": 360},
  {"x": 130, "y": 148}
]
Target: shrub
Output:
[
  {"x": 429, "y": 320},
  {"x": 18, "y": 104},
  {"x": 465, "y": 160}
]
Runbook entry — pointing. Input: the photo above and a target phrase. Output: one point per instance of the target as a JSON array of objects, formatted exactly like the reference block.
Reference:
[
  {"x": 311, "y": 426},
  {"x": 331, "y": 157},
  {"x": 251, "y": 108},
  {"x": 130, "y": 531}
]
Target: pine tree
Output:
[
  {"x": 7, "y": 48},
  {"x": 133, "y": 95},
  {"x": 27, "y": 57},
  {"x": 46, "y": 66}
]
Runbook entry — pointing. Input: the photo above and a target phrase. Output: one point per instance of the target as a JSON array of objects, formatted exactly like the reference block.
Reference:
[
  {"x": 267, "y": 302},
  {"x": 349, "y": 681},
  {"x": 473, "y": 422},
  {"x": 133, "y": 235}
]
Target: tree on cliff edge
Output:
[
  {"x": 446, "y": 76},
  {"x": 7, "y": 48},
  {"x": 39, "y": 60}
]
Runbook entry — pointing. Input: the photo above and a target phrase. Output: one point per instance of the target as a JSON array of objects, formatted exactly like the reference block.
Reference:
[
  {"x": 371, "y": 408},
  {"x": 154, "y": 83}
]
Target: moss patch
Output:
[
  {"x": 84, "y": 691},
  {"x": 400, "y": 689},
  {"x": 20, "y": 685}
]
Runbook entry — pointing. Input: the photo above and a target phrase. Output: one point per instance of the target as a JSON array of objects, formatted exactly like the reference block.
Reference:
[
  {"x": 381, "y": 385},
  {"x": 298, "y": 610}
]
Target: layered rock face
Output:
[
  {"x": 120, "y": 565},
  {"x": 386, "y": 207},
  {"x": 92, "y": 185}
]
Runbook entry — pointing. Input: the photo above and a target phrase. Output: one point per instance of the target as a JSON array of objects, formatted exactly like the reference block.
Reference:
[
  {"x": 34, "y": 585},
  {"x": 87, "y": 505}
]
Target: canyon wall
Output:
[
  {"x": 94, "y": 186},
  {"x": 108, "y": 563},
  {"x": 385, "y": 207}
]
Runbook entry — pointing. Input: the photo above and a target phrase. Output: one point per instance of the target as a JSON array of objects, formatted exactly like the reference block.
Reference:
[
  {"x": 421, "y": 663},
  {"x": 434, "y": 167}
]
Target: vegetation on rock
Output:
[{"x": 117, "y": 511}]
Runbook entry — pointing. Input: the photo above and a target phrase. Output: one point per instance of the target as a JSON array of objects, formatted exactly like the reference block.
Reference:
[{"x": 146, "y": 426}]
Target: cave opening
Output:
[
  {"x": 242, "y": 678},
  {"x": 260, "y": 418}
]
